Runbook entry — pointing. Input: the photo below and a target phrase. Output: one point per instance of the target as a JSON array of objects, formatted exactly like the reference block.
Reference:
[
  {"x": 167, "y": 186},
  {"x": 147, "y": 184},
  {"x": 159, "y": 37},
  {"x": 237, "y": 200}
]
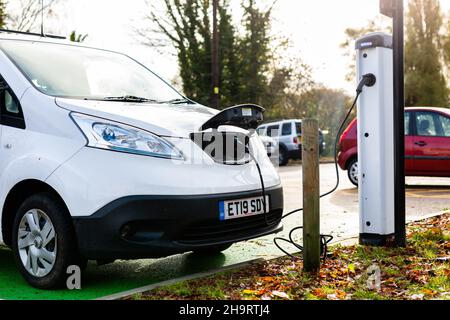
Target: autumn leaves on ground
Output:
[{"x": 420, "y": 271}]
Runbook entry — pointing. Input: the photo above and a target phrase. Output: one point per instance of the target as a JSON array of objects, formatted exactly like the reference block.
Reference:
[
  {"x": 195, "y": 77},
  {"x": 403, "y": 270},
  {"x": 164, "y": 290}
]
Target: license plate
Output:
[{"x": 242, "y": 208}]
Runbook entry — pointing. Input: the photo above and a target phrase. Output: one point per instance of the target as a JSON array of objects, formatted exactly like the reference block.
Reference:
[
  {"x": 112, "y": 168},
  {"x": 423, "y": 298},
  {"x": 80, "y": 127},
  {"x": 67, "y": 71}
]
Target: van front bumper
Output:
[{"x": 140, "y": 227}]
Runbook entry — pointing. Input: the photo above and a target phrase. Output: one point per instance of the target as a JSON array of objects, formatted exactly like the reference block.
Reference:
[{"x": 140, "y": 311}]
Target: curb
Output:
[
  {"x": 194, "y": 276},
  {"x": 354, "y": 239},
  {"x": 427, "y": 216}
]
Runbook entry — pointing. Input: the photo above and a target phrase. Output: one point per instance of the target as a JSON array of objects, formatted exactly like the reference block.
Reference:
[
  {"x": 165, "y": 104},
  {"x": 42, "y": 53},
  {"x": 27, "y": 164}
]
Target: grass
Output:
[{"x": 421, "y": 271}]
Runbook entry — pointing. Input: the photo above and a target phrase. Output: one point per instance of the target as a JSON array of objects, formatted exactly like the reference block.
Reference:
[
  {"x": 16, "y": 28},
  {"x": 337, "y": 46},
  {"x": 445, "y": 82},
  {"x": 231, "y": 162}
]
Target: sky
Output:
[{"x": 316, "y": 29}]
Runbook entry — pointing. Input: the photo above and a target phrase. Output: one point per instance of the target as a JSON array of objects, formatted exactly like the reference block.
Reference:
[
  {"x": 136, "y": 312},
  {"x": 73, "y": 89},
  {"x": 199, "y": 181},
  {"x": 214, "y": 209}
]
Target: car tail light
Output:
[{"x": 295, "y": 140}]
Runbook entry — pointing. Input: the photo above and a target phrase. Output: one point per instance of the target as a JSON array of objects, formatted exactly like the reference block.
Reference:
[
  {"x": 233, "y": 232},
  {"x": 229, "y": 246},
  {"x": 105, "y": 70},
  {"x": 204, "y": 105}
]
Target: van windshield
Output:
[{"x": 75, "y": 72}]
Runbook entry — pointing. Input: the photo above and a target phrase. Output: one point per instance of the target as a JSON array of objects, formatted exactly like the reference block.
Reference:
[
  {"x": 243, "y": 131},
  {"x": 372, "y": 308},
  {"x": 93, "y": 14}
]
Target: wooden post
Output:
[{"x": 311, "y": 195}]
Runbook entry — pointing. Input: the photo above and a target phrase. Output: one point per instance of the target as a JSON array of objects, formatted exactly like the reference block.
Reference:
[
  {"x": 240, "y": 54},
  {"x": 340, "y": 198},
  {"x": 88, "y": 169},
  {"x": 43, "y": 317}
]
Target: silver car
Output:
[{"x": 287, "y": 134}]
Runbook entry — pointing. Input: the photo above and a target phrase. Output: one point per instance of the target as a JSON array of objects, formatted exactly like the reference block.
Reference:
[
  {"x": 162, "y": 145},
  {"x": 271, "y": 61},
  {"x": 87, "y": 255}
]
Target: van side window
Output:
[
  {"x": 445, "y": 123},
  {"x": 10, "y": 104},
  {"x": 298, "y": 126},
  {"x": 426, "y": 124},
  {"x": 261, "y": 131},
  {"x": 10, "y": 110},
  {"x": 286, "y": 130},
  {"x": 273, "y": 131},
  {"x": 407, "y": 123}
]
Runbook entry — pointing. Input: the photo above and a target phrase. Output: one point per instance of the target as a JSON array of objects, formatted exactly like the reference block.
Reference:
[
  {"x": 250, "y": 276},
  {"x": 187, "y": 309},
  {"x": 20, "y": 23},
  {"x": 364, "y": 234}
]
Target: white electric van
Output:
[{"x": 100, "y": 160}]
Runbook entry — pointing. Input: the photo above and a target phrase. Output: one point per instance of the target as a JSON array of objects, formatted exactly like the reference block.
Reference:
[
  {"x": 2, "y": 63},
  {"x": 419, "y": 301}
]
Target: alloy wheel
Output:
[
  {"x": 353, "y": 172},
  {"x": 37, "y": 243}
]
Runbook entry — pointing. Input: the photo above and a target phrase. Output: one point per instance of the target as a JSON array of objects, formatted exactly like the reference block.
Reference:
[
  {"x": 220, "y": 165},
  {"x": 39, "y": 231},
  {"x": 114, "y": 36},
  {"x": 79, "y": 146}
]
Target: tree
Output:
[
  {"x": 229, "y": 61},
  {"x": 329, "y": 107},
  {"x": 254, "y": 52},
  {"x": 290, "y": 85},
  {"x": 26, "y": 14},
  {"x": 254, "y": 65},
  {"x": 446, "y": 49},
  {"x": 243, "y": 59},
  {"x": 187, "y": 26},
  {"x": 426, "y": 50},
  {"x": 74, "y": 37},
  {"x": 352, "y": 34},
  {"x": 425, "y": 83},
  {"x": 3, "y": 15}
]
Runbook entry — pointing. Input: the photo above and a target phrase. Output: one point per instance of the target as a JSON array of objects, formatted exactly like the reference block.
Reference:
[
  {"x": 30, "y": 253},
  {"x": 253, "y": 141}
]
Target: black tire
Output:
[
  {"x": 283, "y": 157},
  {"x": 66, "y": 253},
  {"x": 352, "y": 170},
  {"x": 214, "y": 250}
]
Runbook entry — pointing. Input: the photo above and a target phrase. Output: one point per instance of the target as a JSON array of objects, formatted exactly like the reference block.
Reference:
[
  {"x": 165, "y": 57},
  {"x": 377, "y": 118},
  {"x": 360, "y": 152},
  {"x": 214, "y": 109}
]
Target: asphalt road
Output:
[{"x": 339, "y": 217}]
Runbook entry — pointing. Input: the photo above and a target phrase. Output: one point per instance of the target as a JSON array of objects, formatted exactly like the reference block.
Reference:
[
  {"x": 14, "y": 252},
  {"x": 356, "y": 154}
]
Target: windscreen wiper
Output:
[
  {"x": 179, "y": 101},
  {"x": 129, "y": 99}
]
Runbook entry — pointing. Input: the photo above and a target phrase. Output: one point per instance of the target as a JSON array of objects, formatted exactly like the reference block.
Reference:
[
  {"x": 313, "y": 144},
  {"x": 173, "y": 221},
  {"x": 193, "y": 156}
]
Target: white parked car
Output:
[
  {"x": 287, "y": 134},
  {"x": 271, "y": 148},
  {"x": 99, "y": 160}
]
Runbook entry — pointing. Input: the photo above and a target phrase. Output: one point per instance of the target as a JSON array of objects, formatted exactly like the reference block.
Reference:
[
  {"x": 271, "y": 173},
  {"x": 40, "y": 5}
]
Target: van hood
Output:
[{"x": 167, "y": 120}]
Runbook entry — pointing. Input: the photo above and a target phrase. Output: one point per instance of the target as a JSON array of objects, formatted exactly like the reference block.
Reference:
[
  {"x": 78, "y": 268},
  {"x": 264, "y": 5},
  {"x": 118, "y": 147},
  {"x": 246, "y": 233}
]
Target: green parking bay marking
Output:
[{"x": 101, "y": 281}]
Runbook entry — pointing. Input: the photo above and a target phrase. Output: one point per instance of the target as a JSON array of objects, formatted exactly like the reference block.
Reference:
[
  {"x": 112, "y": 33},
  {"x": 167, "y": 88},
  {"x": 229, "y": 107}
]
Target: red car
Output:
[{"x": 427, "y": 144}]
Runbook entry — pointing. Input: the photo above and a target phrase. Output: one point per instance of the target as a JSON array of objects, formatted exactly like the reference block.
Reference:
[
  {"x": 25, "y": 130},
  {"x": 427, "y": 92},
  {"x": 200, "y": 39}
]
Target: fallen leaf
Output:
[
  {"x": 268, "y": 279},
  {"x": 351, "y": 268},
  {"x": 279, "y": 294},
  {"x": 341, "y": 294},
  {"x": 429, "y": 292},
  {"x": 249, "y": 292},
  {"x": 261, "y": 292},
  {"x": 319, "y": 293}
]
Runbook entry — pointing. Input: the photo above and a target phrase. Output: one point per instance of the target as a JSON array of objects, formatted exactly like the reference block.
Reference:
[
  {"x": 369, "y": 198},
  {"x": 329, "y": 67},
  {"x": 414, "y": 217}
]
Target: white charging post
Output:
[{"x": 376, "y": 156}]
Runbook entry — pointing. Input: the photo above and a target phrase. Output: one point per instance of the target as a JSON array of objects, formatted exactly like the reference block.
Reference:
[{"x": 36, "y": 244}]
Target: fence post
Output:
[{"x": 311, "y": 195}]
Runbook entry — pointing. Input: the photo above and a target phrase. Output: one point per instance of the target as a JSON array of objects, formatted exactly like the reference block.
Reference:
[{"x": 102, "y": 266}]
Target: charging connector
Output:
[{"x": 368, "y": 80}]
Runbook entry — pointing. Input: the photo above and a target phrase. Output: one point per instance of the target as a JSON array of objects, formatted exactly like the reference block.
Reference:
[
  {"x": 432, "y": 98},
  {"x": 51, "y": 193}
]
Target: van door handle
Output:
[{"x": 421, "y": 144}]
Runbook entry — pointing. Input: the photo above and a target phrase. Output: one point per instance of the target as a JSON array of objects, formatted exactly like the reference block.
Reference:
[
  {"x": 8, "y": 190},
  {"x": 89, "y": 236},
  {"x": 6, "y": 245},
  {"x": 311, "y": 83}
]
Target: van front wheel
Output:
[{"x": 44, "y": 242}]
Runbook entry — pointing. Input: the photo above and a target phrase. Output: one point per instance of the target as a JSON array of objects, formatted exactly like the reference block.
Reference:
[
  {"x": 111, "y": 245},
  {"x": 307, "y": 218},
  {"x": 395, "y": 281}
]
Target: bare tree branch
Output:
[{"x": 27, "y": 14}]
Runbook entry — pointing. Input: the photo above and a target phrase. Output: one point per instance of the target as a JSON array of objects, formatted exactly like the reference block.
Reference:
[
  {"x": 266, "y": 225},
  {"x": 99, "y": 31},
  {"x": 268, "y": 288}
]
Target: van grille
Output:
[{"x": 207, "y": 231}]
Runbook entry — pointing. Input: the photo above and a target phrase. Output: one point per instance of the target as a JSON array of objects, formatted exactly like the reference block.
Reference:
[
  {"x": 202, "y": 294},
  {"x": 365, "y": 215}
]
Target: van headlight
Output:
[{"x": 110, "y": 135}]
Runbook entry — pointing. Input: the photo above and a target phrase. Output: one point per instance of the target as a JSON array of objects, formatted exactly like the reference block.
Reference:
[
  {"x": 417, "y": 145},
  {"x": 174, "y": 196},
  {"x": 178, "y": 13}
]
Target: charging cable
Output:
[
  {"x": 263, "y": 189},
  {"x": 368, "y": 80}
]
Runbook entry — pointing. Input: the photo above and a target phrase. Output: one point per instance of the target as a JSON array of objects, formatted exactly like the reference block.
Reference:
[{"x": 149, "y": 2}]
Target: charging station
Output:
[
  {"x": 376, "y": 155},
  {"x": 381, "y": 132}
]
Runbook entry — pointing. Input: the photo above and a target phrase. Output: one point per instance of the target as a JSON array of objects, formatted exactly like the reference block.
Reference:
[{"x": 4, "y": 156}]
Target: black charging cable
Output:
[
  {"x": 368, "y": 80},
  {"x": 263, "y": 189}
]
